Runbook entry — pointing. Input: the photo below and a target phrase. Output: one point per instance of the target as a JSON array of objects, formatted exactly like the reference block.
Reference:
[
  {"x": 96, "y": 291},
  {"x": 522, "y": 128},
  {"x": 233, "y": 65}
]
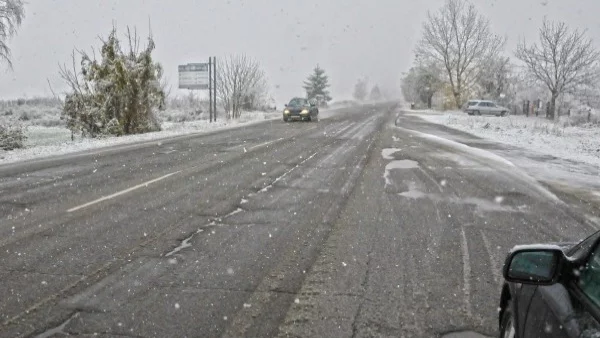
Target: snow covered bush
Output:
[
  {"x": 118, "y": 94},
  {"x": 11, "y": 137}
]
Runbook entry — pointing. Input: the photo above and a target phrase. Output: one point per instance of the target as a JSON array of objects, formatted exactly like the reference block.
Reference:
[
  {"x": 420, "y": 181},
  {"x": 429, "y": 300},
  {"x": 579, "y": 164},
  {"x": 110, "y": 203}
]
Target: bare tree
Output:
[
  {"x": 459, "y": 39},
  {"x": 563, "y": 60},
  {"x": 497, "y": 79},
  {"x": 12, "y": 13},
  {"x": 241, "y": 83}
]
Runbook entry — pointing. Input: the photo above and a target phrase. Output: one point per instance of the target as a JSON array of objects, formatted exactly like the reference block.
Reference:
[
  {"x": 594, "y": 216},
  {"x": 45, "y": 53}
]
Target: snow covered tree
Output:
[
  {"x": 316, "y": 85},
  {"x": 564, "y": 60},
  {"x": 241, "y": 84},
  {"x": 12, "y": 13},
  {"x": 459, "y": 40},
  {"x": 118, "y": 94},
  {"x": 375, "y": 93},
  {"x": 496, "y": 80},
  {"x": 421, "y": 83},
  {"x": 360, "y": 90}
]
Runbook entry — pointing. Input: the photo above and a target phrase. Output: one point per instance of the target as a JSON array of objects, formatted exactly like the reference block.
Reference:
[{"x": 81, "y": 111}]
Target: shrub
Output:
[
  {"x": 117, "y": 94},
  {"x": 12, "y": 137}
]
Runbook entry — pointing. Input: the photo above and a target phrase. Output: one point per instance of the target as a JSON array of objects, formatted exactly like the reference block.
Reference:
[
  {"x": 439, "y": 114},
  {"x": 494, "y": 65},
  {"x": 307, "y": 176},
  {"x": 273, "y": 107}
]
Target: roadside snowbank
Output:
[
  {"x": 51, "y": 141},
  {"x": 577, "y": 143}
]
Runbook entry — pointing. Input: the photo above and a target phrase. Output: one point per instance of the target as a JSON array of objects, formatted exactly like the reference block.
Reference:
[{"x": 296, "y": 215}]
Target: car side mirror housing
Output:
[
  {"x": 285, "y": 105},
  {"x": 533, "y": 264}
]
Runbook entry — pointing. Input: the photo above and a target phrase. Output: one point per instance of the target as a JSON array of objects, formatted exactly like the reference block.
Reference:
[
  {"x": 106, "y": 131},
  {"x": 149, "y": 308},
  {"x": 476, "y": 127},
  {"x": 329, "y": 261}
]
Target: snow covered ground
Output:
[
  {"x": 577, "y": 143},
  {"x": 48, "y": 141}
]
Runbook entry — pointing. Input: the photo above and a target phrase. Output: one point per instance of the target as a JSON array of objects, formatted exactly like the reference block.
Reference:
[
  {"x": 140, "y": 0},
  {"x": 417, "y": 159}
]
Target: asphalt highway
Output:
[{"x": 364, "y": 224}]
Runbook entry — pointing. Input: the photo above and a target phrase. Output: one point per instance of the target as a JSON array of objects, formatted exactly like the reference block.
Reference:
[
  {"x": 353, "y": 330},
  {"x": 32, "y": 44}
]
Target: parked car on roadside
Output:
[
  {"x": 552, "y": 290},
  {"x": 484, "y": 107},
  {"x": 471, "y": 103}
]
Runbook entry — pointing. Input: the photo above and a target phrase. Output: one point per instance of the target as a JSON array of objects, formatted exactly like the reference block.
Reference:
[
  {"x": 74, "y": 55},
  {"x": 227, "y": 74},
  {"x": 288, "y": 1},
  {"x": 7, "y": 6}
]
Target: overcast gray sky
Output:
[{"x": 349, "y": 38}]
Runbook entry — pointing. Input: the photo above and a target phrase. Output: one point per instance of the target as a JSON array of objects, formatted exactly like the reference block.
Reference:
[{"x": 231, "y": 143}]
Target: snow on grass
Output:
[
  {"x": 31, "y": 115},
  {"x": 578, "y": 143},
  {"x": 51, "y": 141}
]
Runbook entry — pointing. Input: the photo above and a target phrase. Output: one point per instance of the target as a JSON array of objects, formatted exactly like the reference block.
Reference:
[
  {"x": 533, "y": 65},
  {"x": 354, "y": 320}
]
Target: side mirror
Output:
[
  {"x": 533, "y": 264},
  {"x": 285, "y": 105}
]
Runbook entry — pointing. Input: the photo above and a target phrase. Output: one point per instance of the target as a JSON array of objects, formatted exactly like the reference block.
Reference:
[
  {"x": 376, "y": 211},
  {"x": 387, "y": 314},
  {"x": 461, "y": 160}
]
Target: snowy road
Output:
[{"x": 367, "y": 223}]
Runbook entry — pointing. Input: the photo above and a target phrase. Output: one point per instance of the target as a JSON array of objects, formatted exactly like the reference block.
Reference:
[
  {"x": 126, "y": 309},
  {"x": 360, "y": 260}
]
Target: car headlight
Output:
[
  {"x": 286, "y": 111},
  {"x": 304, "y": 111}
]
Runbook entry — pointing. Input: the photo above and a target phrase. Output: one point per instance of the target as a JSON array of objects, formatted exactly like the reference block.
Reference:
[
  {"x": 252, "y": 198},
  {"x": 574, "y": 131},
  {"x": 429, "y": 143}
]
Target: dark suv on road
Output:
[
  {"x": 300, "y": 109},
  {"x": 552, "y": 290}
]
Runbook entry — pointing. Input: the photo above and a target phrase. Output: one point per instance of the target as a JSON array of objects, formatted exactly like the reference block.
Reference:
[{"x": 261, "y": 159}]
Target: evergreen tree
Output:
[
  {"x": 360, "y": 90},
  {"x": 375, "y": 93},
  {"x": 316, "y": 85}
]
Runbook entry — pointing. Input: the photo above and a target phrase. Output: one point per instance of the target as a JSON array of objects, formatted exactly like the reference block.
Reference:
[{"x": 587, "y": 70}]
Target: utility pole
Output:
[{"x": 210, "y": 92}]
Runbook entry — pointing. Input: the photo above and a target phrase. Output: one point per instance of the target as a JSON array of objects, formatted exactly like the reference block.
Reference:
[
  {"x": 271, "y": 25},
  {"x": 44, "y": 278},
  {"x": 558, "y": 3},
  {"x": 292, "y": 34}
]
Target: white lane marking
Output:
[
  {"x": 184, "y": 244},
  {"x": 344, "y": 128},
  {"x": 265, "y": 144},
  {"x": 122, "y": 192},
  {"x": 466, "y": 271},
  {"x": 265, "y": 189},
  {"x": 353, "y": 131},
  {"x": 493, "y": 265}
]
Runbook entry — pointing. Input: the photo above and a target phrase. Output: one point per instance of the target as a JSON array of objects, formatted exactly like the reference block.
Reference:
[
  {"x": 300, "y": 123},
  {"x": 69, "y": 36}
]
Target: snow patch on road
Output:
[
  {"x": 398, "y": 164},
  {"x": 485, "y": 158},
  {"x": 414, "y": 194},
  {"x": 387, "y": 153},
  {"x": 476, "y": 152},
  {"x": 479, "y": 203}
]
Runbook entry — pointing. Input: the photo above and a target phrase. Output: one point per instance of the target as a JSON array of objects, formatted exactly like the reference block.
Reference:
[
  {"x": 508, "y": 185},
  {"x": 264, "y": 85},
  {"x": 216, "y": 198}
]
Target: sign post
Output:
[
  {"x": 201, "y": 76},
  {"x": 194, "y": 76},
  {"x": 210, "y": 96},
  {"x": 214, "y": 85}
]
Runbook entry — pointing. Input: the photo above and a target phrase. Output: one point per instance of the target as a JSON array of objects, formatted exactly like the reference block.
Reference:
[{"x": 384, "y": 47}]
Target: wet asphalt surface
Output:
[{"x": 359, "y": 225}]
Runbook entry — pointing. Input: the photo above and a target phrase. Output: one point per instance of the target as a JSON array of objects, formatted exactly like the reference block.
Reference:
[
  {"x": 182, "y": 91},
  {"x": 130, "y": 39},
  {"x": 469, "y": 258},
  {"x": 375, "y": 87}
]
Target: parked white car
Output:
[{"x": 483, "y": 107}]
